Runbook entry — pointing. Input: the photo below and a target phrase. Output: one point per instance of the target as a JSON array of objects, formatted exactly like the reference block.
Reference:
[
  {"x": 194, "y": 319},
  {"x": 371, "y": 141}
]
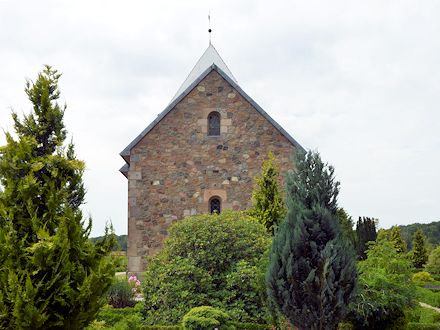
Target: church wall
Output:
[{"x": 176, "y": 168}]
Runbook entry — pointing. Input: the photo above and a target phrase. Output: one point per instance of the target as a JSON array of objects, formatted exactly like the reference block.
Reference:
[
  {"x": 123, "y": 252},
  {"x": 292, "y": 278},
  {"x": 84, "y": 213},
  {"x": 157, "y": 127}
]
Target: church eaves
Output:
[{"x": 210, "y": 60}]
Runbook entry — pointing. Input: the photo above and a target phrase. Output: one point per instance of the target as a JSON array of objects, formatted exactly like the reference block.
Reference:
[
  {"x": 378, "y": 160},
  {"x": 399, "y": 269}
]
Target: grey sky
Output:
[{"x": 359, "y": 81}]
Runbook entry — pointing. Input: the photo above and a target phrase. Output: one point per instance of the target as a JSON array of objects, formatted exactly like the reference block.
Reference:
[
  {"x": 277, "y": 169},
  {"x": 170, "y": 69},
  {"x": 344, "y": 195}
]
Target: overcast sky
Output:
[{"x": 358, "y": 81}]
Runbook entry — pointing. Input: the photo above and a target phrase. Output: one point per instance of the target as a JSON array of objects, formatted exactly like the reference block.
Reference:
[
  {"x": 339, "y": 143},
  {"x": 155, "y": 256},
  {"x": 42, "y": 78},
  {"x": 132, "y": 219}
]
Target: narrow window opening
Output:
[
  {"x": 214, "y": 124},
  {"x": 215, "y": 205}
]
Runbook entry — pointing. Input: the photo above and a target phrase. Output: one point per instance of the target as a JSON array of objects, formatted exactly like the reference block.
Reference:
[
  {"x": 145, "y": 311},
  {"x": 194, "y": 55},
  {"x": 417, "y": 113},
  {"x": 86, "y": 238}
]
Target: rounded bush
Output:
[
  {"x": 422, "y": 278},
  {"x": 209, "y": 260},
  {"x": 206, "y": 317}
]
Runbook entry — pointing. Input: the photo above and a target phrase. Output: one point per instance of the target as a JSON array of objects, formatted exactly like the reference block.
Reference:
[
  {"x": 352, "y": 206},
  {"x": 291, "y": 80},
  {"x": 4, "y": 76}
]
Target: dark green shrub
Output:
[
  {"x": 206, "y": 317},
  {"x": 120, "y": 294},
  {"x": 214, "y": 260}
]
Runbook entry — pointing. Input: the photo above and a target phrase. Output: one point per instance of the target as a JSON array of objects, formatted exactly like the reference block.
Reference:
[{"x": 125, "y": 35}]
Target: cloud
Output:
[{"x": 358, "y": 81}]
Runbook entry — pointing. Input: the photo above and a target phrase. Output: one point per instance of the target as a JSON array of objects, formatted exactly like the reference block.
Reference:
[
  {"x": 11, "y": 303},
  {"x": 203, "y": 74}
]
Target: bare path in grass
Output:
[{"x": 429, "y": 306}]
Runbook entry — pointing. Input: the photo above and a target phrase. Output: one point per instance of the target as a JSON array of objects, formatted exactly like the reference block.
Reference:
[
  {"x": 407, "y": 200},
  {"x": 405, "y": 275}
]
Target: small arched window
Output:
[
  {"x": 214, "y": 124},
  {"x": 215, "y": 205}
]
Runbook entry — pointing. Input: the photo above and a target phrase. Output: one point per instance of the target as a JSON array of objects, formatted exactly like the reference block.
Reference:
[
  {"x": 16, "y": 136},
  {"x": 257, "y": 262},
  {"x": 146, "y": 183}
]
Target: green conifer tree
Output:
[
  {"x": 267, "y": 202},
  {"x": 419, "y": 252},
  {"x": 312, "y": 273},
  {"x": 51, "y": 275},
  {"x": 396, "y": 238}
]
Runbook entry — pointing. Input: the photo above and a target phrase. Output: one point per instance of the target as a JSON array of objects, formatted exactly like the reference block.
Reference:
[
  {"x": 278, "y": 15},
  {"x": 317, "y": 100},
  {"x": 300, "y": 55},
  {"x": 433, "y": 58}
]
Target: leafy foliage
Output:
[
  {"x": 365, "y": 232},
  {"x": 312, "y": 272},
  {"x": 206, "y": 317},
  {"x": 433, "y": 265},
  {"x": 267, "y": 202},
  {"x": 419, "y": 252},
  {"x": 213, "y": 260},
  {"x": 52, "y": 276},
  {"x": 385, "y": 288}
]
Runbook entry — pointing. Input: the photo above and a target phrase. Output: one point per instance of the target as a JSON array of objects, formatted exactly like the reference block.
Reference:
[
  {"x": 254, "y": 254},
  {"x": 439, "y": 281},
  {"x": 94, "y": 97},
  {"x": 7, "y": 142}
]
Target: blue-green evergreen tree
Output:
[
  {"x": 51, "y": 275},
  {"x": 312, "y": 274}
]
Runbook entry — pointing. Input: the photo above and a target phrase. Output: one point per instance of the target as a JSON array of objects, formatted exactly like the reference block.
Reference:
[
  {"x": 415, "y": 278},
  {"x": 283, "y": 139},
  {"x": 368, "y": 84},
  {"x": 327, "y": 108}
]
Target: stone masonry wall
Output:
[{"x": 176, "y": 168}]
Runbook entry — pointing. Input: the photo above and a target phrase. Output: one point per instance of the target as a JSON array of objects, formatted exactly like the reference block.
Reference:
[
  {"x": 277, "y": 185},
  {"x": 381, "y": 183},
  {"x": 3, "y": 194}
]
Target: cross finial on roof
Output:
[{"x": 209, "y": 27}]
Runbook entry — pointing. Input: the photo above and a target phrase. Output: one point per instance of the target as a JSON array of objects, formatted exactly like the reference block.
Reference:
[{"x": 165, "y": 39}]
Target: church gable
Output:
[
  {"x": 200, "y": 154},
  {"x": 193, "y": 79}
]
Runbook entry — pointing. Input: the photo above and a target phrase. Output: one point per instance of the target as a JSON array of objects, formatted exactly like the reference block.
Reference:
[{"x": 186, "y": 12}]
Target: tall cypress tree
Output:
[
  {"x": 267, "y": 202},
  {"x": 312, "y": 274},
  {"x": 51, "y": 275},
  {"x": 419, "y": 252}
]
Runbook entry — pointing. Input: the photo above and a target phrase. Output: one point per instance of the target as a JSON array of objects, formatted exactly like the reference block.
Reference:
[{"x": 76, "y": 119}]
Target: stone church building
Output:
[{"x": 199, "y": 155}]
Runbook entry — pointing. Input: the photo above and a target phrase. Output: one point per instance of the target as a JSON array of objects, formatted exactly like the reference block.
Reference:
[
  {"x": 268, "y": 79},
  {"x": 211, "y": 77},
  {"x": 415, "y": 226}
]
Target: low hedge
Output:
[
  {"x": 161, "y": 327},
  {"x": 422, "y": 326},
  {"x": 250, "y": 326},
  {"x": 111, "y": 315}
]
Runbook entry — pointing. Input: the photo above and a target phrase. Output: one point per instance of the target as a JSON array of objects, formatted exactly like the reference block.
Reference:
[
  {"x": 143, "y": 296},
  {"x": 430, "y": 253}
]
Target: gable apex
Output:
[{"x": 209, "y": 58}]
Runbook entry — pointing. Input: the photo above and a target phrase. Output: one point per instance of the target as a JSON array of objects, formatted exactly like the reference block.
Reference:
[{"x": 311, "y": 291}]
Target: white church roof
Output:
[{"x": 209, "y": 57}]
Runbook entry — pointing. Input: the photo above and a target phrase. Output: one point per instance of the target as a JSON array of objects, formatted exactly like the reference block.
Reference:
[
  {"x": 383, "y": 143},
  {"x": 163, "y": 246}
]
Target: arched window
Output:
[
  {"x": 215, "y": 205},
  {"x": 214, "y": 124}
]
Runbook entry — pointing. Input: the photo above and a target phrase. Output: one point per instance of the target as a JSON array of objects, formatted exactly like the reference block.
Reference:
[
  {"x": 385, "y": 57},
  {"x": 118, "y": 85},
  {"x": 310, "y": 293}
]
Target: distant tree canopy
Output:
[
  {"x": 121, "y": 242},
  {"x": 430, "y": 230}
]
